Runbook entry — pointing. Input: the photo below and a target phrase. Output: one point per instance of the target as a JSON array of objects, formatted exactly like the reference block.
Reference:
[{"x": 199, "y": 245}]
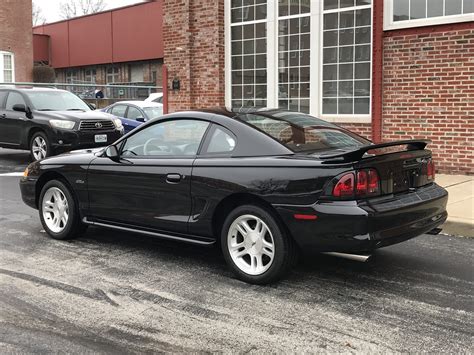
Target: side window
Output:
[
  {"x": 159, "y": 100},
  {"x": 13, "y": 99},
  {"x": 170, "y": 138},
  {"x": 119, "y": 110},
  {"x": 134, "y": 113},
  {"x": 222, "y": 141},
  {"x": 3, "y": 95}
]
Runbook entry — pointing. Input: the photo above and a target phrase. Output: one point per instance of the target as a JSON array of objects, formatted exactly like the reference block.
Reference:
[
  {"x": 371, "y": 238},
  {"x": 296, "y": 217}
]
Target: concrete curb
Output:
[{"x": 458, "y": 229}]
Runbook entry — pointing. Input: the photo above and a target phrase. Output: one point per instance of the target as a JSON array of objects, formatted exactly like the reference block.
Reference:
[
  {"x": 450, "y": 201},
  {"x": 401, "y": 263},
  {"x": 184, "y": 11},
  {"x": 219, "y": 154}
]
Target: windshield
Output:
[
  {"x": 153, "y": 112},
  {"x": 56, "y": 101},
  {"x": 303, "y": 133}
]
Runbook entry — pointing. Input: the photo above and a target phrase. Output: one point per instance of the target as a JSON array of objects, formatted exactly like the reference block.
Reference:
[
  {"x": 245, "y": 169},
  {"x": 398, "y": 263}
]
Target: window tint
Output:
[
  {"x": 13, "y": 99},
  {"x": 134, "y": 113},
  {"x": 3, "y": 95},
  {"x": 170, "y": 138},
  {"x": 118, "y": 110},
  {"x": 221, "y": 142},
  {"x": 56, "y": 100}
]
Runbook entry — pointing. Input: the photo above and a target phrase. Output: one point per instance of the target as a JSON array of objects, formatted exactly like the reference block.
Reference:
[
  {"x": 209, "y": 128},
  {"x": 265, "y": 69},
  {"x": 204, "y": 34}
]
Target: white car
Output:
[{"x": 155, "y": 97}]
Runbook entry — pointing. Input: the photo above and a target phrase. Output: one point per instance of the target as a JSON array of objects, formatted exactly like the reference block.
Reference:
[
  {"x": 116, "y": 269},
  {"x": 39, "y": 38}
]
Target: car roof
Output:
[
  {"x": 30, "y": 88},
  {"x": 141, "y": 104}
]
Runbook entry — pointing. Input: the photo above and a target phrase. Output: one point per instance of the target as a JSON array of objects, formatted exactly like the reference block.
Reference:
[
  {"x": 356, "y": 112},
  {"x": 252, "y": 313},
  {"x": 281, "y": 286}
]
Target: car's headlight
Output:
[
  {"x": 118, "y": 123},
  {"x": 62, "y": 124}
]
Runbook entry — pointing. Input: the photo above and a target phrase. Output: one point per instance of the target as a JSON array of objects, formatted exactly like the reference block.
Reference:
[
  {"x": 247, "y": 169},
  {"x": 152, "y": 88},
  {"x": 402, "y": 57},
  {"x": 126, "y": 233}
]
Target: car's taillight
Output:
[
  {"x": 430, "y": 170},
  {"x": 359, "y": 184}
]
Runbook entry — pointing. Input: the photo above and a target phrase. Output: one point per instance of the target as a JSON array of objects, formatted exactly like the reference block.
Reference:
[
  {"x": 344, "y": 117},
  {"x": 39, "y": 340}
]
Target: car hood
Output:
[
  {"x": 80, "y": 157},
  {"x": 76, "y": 115}
]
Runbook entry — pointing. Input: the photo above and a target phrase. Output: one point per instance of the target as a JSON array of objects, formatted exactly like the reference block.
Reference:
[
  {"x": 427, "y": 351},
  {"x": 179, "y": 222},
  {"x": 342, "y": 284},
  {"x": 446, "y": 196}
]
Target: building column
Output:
[{"x": 193, "y": 37}]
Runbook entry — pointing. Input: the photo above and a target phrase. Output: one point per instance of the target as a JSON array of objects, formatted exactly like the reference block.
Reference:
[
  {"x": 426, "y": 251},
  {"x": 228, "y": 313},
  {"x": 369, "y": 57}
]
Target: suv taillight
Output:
[
  {"x": 359, "y": 184},
  {"x": 430, "y": 170}
]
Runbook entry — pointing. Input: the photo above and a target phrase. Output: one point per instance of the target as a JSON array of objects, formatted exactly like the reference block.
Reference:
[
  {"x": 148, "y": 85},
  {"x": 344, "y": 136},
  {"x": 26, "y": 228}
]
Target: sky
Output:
[{"x": 50, "y": 8}]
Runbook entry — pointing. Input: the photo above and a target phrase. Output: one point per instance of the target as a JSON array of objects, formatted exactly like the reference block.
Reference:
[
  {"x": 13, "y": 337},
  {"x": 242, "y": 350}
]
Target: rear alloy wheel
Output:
[
  {"x": 58, "y": 211},
  {"x": 39, "y": 146},
  {"x": 255, "y": 246}
]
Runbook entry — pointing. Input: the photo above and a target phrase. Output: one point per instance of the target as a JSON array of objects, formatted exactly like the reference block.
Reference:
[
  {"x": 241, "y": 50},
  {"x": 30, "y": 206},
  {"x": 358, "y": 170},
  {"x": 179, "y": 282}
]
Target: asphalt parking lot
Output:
[{"x": 122, "y": 293}]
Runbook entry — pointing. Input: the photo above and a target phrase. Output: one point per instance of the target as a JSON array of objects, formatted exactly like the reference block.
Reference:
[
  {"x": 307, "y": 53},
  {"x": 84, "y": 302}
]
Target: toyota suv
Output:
[{"x": 50, "y": 121}]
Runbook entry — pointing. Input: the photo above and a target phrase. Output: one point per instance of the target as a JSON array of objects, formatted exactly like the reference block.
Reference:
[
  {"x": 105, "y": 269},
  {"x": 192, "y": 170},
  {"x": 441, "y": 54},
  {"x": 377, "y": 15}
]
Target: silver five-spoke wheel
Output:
[
  {"x": 251, "y": 245},
  {"x": 55, "y": 210},
  {"x": 39, "y": 148}
]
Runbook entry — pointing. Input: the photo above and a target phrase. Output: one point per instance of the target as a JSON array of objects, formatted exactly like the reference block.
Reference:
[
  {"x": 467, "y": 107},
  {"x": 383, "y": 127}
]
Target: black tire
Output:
[
  {"x": 285, "y": 250},
  {"x": 44, "y": 137},
  {"x": 74, "y": 227}
]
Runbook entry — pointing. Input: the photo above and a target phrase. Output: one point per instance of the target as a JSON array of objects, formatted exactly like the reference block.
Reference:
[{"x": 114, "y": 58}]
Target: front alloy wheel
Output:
[
  {"x": 39, "y": 146},
  {"x": 55, "y": 209}
]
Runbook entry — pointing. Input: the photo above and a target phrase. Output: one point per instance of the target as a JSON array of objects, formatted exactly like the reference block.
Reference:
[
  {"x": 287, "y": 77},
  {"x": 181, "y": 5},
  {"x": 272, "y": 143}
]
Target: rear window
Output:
[{"x": 303, "y": 133}]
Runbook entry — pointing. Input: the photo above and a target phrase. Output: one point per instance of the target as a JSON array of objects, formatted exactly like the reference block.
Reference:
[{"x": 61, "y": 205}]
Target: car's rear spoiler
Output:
[{"x": 358, "y": 153}]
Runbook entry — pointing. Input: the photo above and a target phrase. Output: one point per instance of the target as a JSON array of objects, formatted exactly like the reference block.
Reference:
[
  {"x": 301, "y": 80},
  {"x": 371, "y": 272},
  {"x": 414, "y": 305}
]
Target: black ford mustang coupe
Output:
[{"x": 265, "y": 184}]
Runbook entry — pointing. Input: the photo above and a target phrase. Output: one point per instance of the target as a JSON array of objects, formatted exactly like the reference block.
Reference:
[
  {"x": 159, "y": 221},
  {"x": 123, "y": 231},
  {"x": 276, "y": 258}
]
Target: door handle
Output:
[{"x": 173, "y": 178}]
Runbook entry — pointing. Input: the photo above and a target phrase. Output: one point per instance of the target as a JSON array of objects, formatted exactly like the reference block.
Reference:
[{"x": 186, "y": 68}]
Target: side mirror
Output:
[
  {"x": 19, "y": 108},
  {"x": 112, "y": 153},
  {"x": 92, "y": 106},
  {"x": 141, "y": 119}
]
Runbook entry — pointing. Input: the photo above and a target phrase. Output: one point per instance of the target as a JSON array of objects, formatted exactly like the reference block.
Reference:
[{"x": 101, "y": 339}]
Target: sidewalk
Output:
[{"x": 460, "y": 204}]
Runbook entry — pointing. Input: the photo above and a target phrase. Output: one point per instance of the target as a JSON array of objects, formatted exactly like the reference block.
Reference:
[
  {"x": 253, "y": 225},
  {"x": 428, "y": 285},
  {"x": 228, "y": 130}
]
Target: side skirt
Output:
[{"x": 148, "y": 233}]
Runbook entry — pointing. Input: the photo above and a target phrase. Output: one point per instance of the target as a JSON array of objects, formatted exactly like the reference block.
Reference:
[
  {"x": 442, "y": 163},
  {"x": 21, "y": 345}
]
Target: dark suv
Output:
[{"x": 50, "y": 121}]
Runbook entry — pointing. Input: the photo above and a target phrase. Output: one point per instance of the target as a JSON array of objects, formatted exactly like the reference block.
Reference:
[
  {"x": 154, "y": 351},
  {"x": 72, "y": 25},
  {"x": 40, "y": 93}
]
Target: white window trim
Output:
[
  {"x": 316, "y": 68},
  {"x": 389, "y": 24},
  {"x": 2, "y": 78}
]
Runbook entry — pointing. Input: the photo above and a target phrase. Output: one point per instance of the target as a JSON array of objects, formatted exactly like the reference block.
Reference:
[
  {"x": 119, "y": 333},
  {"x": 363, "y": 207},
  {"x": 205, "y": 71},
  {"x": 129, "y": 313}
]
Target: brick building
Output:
[
  {"x": 16, "y": 44},
  {"x": 119, "y": 46},
  {"x": 388, "y": 69}
]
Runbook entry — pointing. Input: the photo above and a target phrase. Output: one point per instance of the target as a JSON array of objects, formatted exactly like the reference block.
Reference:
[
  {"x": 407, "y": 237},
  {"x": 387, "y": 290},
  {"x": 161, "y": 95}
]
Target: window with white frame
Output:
[
  {"x": 415, "y": 13},
  {"x": 346, "y": 48},
  {"x": 248, "y": 35},
  {"x": 294, "y": 54},
  {"x": 7, "y": 67},
  {"x": 312, "y": 56}
]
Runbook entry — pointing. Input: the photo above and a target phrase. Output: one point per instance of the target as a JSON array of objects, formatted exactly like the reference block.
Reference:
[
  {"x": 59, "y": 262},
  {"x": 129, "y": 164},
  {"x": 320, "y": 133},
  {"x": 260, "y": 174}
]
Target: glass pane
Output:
[
  {"x": 237, "y": 77},
  {"x": 248, "y": 13},
  {"x": 304, "y": 106},
  {"x": 362, "y": 53},
  {"x": 294, "y": 59},
  {"x": 248, "y": 2},
  {"x": 283, "y": 75},
  {"x": 346, "y": 37},
  {"x": 283, "y": 91},
  {"x": 221, "y": 142},
  {"x": 260, "y": 76},
  {"x": 249, "y": 47},
  {"x": 418, "y": 9},
  {"x": 304, "y": 74},
  {"x": 401, "y": 10},
  {"x": 283, "y": 44},
  {"x": 237, "y": 103},
  {"x": 304, "y": 90},
  {"x": 362, "y": 88},
  {"x": 260, "y": 12},
  {"x": 331, "y": 21},
  {"x": 294, "y": 42},
  {"x": 236, "y": 48},
  {"x": 236, "y": 32},
  {"x": 261, "y": 61},
  {"x": 294, "y": 75},
  {"x": 362, "y": 71},
  {"x": 330, "y": 4},
  {"x": 237, "y": 62},
  {"x": 236, "y": 15},
  {"x": 362, "y": 35},
  {"x": 346, "y": 3},
  {"x": 468, "y": 6},
  {"x": 329, "y": 55},
  {"x": 435, "y": 8},
  {"x": 294, "y": 90},
  {"x": 330, "y": 72},
  {"x": 363, "y": 2},
  {"x": 283, "y": 7},
  {"x": 305, "y": 24},
  {"x": 283, "y": 104},
  {"x": 345, "y": 71},
  {"x": 363, "y": 17},
  {"x": 305, "y": 6},
  {"x": 345, "y": 106},
  {"x": 260, "y": 30},
  {"x": 305, "y": 41},
  {"x": 294, "y": 7},
  {"x": 330, "y": 89},
  {"x": 346, "y": 54},
  {"x": 248, "y": 94},
  {"x": 236, "y": 92},
  {"x": 294, "y": 105},
  {"x": 249, "y": 31},
  {"x": 362, "y": 106},
  {"x": 236, "y": 3},
  {"x": 346, "y": 88},
  {"x": 261, "y": 91},
  {"x": 283, "y": 59},
  {"x": 452, "y": 7},
  {"x": 261, "y": 45},
  {"x": 283, "y": 27},
  {"x": 330, "y": 39},
  {"x": 346, "y": 19},
  {"x": 294, "y": 25},
  {"x": 304, "y": 57},
  {"x": 329, "y": 106},
  {"x": 249, "y": 62}
]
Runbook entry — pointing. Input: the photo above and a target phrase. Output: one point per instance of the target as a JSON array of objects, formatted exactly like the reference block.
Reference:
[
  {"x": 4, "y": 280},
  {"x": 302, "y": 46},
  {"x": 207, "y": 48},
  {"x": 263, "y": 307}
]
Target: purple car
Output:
[{"x": 134, "y": 113}]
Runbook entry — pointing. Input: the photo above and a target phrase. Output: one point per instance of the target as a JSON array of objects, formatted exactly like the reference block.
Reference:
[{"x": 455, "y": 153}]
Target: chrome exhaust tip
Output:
[{"x": 357, "y": 257}]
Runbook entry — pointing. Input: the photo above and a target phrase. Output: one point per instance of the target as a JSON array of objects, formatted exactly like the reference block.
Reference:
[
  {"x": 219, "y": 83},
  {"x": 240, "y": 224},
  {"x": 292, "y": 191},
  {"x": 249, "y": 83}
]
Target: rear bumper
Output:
[
  {"x": 64, "y": 141},
  {"x": 352, "y": 226}
]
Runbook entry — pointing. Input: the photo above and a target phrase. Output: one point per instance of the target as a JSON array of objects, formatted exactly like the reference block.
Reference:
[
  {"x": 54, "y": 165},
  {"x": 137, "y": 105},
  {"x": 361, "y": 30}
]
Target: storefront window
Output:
[
  {"x": 346, "y": 58},
  {"x": 248, "y": 53}
]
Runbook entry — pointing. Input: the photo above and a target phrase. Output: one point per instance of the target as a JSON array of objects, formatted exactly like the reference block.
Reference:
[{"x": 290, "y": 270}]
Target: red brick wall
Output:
[
  {"x": 16, "y": 36},
  {"x": 193, "y": 35},
  {"x": 362, "y": 129},
  {"x": 428, "y": 92}
]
